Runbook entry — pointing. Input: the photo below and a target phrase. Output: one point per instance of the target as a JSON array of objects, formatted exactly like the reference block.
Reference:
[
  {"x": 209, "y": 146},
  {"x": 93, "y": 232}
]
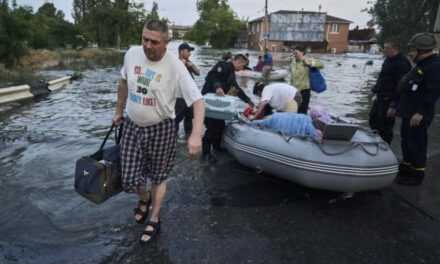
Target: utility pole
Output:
[{"x": 266, "y": 26}]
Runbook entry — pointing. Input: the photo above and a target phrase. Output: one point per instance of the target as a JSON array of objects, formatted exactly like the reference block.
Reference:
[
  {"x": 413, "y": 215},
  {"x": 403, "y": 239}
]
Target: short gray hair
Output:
[{"x": 157, "y": 25}]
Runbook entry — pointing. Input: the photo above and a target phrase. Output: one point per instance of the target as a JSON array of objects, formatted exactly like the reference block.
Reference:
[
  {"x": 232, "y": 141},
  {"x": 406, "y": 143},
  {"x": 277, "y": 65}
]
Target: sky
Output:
[{"x": 183, "y": 12}]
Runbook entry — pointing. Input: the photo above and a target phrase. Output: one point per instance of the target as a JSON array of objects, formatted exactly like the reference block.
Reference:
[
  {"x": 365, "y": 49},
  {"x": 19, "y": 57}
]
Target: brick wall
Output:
[{"x": 337, "y": 41}]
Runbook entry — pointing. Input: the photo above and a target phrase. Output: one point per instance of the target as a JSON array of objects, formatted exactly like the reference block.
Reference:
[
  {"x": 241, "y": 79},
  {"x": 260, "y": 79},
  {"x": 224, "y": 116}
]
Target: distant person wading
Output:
[
  {"x": 151, "y": 81},
  {"x": 300, "y": 72}
]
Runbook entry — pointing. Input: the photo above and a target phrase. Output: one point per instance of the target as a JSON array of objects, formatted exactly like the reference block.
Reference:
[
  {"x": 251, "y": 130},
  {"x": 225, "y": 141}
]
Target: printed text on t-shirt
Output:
[{"x": 143, "y": 81}]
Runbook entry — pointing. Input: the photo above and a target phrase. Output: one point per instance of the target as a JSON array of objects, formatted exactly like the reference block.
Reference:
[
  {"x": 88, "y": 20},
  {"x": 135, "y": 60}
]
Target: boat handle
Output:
[{"x": 353, "y": 145}]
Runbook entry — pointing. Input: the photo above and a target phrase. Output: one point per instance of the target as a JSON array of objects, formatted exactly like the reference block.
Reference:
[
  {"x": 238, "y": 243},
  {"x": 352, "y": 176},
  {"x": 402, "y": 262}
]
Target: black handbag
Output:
[{"x": 98, "y": 176}]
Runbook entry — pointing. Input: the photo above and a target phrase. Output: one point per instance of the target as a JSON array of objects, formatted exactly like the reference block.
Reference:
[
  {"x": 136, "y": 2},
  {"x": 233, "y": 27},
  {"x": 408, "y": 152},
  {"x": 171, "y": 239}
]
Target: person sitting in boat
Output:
[
  {"x": 260, "y": 64},
  {"x": 320, "y": 116},
  {"x": 279, "y": 96},
  {"x": 290, "y": 124}
]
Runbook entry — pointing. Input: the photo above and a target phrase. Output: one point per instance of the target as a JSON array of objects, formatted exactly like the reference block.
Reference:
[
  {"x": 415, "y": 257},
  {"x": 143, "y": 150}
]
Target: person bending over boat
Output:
[
  {"x": 279, "y": 96},
  {"x": 300, "y": 70},
  {"x": 221, "y": 80}
]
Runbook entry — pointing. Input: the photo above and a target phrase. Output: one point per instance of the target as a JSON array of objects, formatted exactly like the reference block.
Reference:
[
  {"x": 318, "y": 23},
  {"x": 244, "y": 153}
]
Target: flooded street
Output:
[{"x": 212, "y": 214}]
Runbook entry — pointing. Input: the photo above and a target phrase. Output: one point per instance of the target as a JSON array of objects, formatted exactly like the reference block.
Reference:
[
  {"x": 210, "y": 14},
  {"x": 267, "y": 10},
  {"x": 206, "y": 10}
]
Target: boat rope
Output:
[{"x": 353, "y": 145}]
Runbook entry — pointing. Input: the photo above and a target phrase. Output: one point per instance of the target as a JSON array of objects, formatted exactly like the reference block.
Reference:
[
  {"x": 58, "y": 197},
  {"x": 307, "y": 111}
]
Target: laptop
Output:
[{"x": 339, "y": 131}]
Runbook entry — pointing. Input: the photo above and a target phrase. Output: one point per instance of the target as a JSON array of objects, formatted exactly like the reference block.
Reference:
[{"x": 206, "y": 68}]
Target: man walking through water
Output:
[
  {"x": 383, "y": 111},
  {"x": 151, "y": 81}
]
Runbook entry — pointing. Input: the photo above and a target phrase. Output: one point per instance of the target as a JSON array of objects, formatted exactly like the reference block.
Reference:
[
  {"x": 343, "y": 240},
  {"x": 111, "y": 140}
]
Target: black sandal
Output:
[
  {"x": 138, "y": 211},
  {"x": 151, "y": 233}
]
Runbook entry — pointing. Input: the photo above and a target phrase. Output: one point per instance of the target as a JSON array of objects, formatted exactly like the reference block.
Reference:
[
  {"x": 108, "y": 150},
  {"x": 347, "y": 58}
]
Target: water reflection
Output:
[{"x": 42, "y": 219}]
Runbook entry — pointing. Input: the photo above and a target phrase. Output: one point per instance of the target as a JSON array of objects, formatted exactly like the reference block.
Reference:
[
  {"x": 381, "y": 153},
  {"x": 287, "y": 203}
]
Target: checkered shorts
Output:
[{"x": 147, "y": 152}]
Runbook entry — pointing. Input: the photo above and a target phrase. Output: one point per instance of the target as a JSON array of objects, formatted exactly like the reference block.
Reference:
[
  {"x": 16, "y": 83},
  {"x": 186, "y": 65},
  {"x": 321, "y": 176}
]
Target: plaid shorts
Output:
[{"x": 147, "y": 152}]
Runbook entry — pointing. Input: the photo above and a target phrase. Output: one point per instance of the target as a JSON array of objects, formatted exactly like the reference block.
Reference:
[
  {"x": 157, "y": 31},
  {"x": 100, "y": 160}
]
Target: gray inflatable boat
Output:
[{"x": 364, "y": 163}]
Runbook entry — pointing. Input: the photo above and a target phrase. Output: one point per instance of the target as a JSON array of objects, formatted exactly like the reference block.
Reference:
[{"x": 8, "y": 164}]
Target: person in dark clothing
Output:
[
  {"x": 260, "y": 64},
  {"x": 419, "y": 92},
  {"x": 246, "y": 67},
  {"x": 221, "y": 80},
  {"x": 183, "y": 112},
  {"x": 382, "y": 114},
  {"x": 267, "y": 64},
  {"x": 227, "y": 56}
]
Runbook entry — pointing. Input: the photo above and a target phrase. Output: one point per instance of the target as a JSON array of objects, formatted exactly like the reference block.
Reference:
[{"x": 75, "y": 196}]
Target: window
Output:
[{"x": 334, "y": 28}]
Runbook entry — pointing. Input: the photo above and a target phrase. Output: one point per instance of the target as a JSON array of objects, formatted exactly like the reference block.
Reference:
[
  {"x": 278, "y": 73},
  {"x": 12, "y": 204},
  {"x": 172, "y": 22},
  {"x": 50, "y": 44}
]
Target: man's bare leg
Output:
[
  {"x": 143, "y": 196},
  {"x": 157, "y": 194}
]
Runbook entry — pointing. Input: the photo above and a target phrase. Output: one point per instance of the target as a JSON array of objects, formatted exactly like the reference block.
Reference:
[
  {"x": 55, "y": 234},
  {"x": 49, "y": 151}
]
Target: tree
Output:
[
  {"x": 47, "y": 9},
  {"x": 111, "y": 22},
  {"x": 50, "y": 30},
  {"x": 154, "y": 14},
  {"x": 137, "y": 17},
  {"x": 401, "y": 19},
  {"x": 4, "y": 5},
  {"x": 13, "y": 34},
  {"x": 217, "y": 24}
]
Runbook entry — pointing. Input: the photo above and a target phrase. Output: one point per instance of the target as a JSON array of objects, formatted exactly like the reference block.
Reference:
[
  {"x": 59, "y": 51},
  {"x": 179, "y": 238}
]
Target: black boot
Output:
[
  {"x": 206, "y": 149},
  {"x": 404, "y": 169},
  {"x": 412, "y": 178},
  {"x": 212, "y": 159}
]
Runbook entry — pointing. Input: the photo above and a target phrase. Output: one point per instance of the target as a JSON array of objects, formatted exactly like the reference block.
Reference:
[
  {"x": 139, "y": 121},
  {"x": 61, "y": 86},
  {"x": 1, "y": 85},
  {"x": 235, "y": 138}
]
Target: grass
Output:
[{"x": 63, "y": 59}]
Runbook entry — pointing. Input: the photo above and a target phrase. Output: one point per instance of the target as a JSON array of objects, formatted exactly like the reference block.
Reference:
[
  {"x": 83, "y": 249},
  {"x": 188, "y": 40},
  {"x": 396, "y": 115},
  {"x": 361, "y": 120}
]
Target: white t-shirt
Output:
[
  {"x": 278, "y": 95},
  {"x": 153, "y": 86}
]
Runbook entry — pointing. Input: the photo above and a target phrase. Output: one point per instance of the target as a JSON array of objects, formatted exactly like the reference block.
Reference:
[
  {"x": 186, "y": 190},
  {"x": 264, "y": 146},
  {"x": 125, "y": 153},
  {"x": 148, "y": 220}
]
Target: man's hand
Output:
[
  {"x": 416, "y": 119},
  {"x": 219, "y": 92},
  {"x": 250, "y": 105},
  {"x": 391, "y": 113},
  {"x": 118, "y": 119},
  {"x": 195, "y": 140},
  {"x": 194, "y": 145}
]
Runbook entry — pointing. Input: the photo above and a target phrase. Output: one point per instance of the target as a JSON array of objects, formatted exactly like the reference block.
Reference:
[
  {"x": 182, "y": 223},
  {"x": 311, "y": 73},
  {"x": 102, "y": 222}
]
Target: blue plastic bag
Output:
[{"x": 317, "y": 81}]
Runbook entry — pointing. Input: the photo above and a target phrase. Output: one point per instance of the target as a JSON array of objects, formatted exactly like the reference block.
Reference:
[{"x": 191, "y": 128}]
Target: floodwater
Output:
[{"x": 43, "y": 220}]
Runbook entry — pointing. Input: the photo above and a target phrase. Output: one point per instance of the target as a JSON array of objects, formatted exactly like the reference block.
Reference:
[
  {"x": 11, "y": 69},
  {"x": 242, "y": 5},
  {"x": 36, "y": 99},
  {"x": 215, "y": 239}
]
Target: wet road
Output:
[
  {"x": 228, "y": 214},
  {"x": 213, "y": 214}
]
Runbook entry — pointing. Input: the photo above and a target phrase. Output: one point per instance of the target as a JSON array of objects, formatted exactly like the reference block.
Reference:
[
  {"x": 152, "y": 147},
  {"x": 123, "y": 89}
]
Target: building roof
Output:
[
  {"x": 329, "y": 19},
  {"x": 333, "y": 19},
  {"x": 367, "y": 34}
]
